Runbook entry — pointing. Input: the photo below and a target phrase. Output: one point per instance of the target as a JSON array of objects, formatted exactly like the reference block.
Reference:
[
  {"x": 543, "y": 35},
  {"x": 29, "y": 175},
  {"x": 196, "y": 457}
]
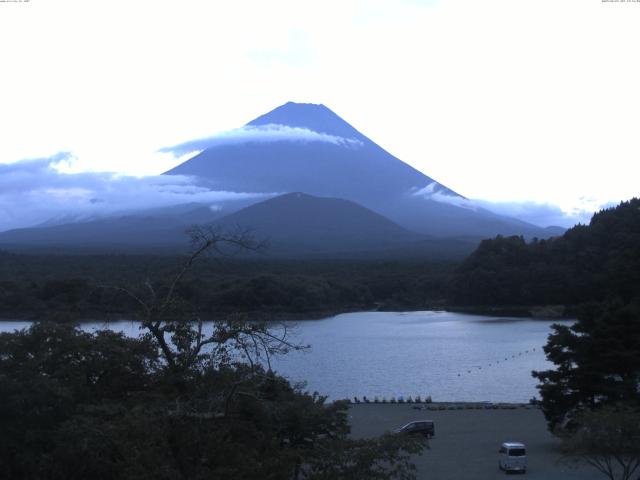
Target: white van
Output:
[{"x": 513, "y": 457}]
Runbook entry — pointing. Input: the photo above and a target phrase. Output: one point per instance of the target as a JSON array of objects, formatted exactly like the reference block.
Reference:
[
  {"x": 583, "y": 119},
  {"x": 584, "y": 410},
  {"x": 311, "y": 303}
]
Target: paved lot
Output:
[{"x": 467, "y": 441}]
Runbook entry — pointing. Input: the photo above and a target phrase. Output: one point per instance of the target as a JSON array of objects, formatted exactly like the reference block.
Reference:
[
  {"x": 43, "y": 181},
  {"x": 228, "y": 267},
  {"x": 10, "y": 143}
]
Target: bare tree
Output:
[{"x": 177, "y": 328}]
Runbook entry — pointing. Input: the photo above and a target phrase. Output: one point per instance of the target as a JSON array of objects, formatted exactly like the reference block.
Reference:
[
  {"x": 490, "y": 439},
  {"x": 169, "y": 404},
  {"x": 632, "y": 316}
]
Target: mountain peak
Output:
[{"x": 312, "y": 116}]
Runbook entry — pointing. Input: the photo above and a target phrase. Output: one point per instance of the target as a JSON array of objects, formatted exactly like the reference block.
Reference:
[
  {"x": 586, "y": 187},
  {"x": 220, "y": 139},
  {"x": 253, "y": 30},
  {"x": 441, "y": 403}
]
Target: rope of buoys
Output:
[{"x": 518, "y": 354}]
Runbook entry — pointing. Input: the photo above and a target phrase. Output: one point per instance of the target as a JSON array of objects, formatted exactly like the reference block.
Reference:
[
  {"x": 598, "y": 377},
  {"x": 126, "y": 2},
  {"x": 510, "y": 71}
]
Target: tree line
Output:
[{"x": 32, "y": 287}]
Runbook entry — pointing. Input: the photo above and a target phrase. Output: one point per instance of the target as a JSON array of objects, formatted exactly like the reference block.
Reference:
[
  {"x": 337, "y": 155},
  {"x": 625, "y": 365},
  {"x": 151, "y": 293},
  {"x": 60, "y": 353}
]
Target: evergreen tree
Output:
[{"x": 597, "y": 362}]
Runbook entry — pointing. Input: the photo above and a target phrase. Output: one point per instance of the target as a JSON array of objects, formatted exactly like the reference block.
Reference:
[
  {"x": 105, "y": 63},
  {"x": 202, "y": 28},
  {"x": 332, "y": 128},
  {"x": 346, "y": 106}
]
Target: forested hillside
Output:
[{"x": 588, "y": 263}]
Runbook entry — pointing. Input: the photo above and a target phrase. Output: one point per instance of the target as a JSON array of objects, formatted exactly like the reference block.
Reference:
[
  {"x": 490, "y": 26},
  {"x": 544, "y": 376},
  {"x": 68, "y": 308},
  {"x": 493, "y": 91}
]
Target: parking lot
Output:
[{"x": 467, "y": 441}]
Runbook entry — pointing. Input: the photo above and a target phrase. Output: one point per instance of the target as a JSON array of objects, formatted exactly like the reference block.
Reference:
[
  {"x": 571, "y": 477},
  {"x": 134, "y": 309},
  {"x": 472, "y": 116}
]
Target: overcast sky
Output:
[{"x": 519, "y": 102}]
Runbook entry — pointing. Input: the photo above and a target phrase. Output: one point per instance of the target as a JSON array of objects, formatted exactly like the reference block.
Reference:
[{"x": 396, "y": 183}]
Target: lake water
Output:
[{"x": 449, "y": 356}]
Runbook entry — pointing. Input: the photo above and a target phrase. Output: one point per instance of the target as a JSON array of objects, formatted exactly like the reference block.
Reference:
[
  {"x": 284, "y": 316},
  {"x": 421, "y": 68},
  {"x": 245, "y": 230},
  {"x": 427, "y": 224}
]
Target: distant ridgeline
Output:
[
  {"x": 595, "y": 262},
  {"x": 589, "y": 263}
]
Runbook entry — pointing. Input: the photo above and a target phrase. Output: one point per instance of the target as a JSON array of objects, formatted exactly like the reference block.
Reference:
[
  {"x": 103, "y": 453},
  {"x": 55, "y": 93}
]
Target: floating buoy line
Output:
[
  {"x": 508, "y": 358},
  {"x": 427, "y": 399}
]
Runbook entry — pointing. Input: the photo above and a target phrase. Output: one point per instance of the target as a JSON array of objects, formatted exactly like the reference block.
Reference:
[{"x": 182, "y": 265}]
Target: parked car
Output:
[
  {"x": 513, "y": 457},
  {"x": 419, "y": 427}
]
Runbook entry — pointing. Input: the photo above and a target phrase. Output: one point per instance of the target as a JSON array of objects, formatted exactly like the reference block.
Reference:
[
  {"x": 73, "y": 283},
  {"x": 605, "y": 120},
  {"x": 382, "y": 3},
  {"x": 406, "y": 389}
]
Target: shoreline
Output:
[
  {"x": 258, "y": 316},
  {"x": 442, "y": 405},
  {"x": 535, "y": 312}
]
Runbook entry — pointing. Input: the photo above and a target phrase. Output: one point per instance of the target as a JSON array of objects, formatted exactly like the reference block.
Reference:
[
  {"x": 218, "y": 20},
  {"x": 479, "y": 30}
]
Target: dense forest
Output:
[
  {"x": 589, "y": 263},
  {"x": 76, "y": 287}
]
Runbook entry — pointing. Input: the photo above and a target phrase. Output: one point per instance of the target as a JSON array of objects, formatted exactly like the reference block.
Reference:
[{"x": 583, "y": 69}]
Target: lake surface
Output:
[{"x": 450, "y": 356}]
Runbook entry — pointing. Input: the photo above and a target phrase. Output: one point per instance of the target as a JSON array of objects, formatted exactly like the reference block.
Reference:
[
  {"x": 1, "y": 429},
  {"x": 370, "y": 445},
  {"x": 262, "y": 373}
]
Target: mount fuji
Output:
[
  {"x": 301, "y": 147},
  {"x": 319, "y": 188}
]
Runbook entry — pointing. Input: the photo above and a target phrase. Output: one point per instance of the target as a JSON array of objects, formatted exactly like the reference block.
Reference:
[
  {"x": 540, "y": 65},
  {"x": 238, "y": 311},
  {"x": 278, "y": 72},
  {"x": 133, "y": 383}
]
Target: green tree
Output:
[
  {"x": 597, "y": 362},
  {"x": 53, "y": 375},
  {"x": 388, "y": 456},
  {"x": 608, "y": 439}
]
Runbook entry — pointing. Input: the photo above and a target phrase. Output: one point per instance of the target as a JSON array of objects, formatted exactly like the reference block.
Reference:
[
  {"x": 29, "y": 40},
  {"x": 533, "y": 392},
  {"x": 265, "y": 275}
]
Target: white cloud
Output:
[
  {"x": 497, "y": 99},
  {"x": 542, "y": 214},
  {"x": 434, "y": 192},
  {"x": 262, "y": 134},
  {"x": 35, "y": 191}
]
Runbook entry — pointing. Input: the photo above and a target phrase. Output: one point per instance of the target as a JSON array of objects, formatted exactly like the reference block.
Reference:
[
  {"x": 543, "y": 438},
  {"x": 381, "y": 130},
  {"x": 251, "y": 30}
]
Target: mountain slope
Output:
[
  {"x": 343, "y": 163},
  {"x": 160, "y": 230},
  {"x": 317, "y": 118},
  {"x": 301, "y": 225},
  {"x": 293, "y": 225},
  {"x": 297, "y": 223}
]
